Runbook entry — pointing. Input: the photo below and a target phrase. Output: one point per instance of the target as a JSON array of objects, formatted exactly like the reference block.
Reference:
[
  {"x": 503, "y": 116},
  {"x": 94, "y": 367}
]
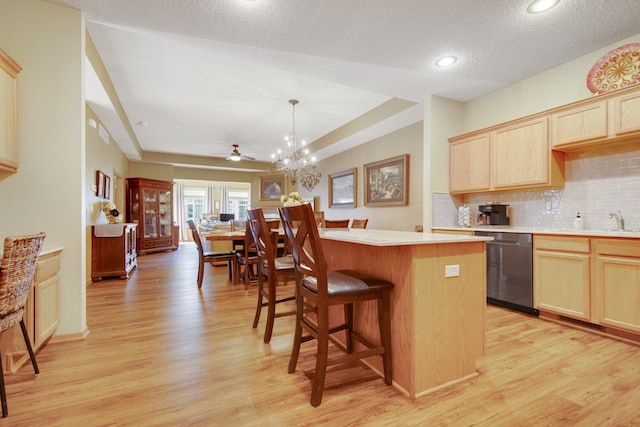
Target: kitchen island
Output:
[{"x": 437, "y": 322}]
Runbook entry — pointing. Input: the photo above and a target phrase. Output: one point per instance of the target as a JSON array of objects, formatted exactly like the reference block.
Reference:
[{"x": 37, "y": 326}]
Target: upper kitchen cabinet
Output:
[
  {"x": 522, "y": 157},
  {"x": 626, "y": 114},
  {"x": 9, "y": 70},
  {"x": 601, "y": 120},
  {"x": 469, "y": 164},
  {"x": 578, "y": 124},
  {"x": 509, "y": 156}
]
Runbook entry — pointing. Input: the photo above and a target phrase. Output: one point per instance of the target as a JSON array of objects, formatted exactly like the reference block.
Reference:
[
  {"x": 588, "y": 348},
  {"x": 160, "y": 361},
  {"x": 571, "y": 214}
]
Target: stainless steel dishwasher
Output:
[{"x": 510, "y": 270}]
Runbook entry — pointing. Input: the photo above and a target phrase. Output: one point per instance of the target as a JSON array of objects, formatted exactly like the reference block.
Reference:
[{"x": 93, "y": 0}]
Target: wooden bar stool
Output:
[
  {"x": 317, "y": 289},
  {"x": 270, "y": 266}
]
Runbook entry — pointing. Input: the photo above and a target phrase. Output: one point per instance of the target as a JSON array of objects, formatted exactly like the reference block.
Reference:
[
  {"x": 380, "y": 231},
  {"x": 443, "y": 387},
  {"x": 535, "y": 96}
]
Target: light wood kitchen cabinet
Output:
[
  {"x": 626, "y": 114},
  {"x": 617, "y": 283},
  {"x": 469, "y": 164},
  {"x": 509, "y": 156},
  {"x": 605, "y": 119},
  {"x": 42, "y": 312},
  {"x": 150, "y": 205},
  {"x": 522, "y": 156},
  {"x": 113, "y": 256},
  {"x": 561, "y": 275},
  {"x": 9, "y": 71},
  {"x": 579, "y": 124}
]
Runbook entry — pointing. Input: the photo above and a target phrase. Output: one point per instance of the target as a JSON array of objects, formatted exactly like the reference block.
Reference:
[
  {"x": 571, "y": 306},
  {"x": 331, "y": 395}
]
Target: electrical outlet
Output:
[{"x": 452, "y": 270}]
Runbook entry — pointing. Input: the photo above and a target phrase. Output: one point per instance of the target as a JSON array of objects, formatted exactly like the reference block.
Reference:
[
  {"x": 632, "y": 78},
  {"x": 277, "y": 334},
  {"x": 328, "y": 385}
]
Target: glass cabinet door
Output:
[
  {"x": 134, "y": 206},
  {"x": 150, "y": 213},
  {"x": 165, "y": 214}
]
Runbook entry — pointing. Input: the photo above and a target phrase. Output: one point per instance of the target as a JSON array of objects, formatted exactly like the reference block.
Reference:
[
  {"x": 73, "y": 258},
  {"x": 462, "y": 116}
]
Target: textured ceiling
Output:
[{"x": 205, "y": 74}]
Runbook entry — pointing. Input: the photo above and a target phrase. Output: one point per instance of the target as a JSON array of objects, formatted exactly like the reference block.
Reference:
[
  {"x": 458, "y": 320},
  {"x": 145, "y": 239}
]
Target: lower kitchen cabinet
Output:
[
  {"x": 617, "y": 283},
  {"x": 592, "y": 279},
  {"x": 561, "y": 275},
  {"x": 42, "y": 312}
]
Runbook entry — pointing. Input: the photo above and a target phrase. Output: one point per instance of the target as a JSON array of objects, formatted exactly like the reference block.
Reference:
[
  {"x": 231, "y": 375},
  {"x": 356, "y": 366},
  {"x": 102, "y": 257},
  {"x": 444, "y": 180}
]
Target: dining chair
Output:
[
  {"x": 238, "y": 225},
  {"x": 359, "y": 223},
  {"x": 317, "y": 289},
  {"x": 336, "y": 223},
  {"x": 272, "y": 267},
  {"x": 247, "y": 257},
  {"x": 319, "y": 216},
  {"x": 212, "y": 256},
  {"x": 17, "y": 270}
]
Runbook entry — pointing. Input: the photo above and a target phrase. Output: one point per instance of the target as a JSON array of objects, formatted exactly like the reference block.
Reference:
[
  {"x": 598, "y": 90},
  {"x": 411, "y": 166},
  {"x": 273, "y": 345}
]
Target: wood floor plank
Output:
[{"x": 162, "y": 352}]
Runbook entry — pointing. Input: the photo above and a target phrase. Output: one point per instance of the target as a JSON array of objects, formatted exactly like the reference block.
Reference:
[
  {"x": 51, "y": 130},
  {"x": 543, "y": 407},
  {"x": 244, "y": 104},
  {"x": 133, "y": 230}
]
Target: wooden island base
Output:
[{"x": 438, "y": 322}]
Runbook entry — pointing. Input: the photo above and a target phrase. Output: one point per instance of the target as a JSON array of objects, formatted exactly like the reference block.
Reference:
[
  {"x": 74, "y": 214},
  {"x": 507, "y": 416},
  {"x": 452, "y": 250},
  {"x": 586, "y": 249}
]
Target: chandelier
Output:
[{"x": 293, "y": 159}]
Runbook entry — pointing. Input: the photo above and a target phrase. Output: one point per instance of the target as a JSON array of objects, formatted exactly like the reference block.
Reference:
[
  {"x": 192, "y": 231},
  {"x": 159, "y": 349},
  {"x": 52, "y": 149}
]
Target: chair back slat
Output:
[
  {"x": 336, "y": 223},
  {"x": 17, "y": 270},
  {"x": 196, "y": 236},
  {"x": 304, "y": 239},
  {"x": 262, "y": 240},
  {"x": 359, "y": 223}
]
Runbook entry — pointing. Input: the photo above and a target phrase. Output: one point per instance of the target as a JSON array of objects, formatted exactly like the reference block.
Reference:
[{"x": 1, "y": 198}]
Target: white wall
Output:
[
  {"x": 558, "y": 86},
  {"x": 407, "y": 140},
  {"x": 48, "y": 192}
]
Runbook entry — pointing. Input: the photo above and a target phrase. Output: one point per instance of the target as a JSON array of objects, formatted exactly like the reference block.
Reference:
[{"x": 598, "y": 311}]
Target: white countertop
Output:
[
  {"x": 394, "y": 238},
  {"x": 567, "y": 232}
]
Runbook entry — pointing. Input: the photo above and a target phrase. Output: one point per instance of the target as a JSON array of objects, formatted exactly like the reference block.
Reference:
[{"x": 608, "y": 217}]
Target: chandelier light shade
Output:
[{"x": 293, "y": 158}]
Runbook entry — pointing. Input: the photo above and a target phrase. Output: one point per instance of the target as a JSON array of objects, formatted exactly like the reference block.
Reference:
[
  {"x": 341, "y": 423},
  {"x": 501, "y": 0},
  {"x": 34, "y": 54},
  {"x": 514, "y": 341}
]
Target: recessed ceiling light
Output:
[
  {"x": 446, "y": 61},
  {"x": 539, "y": 6}
]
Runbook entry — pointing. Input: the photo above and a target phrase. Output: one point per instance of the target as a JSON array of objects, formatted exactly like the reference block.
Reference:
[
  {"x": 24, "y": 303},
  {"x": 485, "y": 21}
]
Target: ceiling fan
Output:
[{"x": 236, "y": 156}]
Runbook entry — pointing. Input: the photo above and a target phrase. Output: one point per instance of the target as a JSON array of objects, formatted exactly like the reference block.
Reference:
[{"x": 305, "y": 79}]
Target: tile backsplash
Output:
[{"x": 597, "y": 182}]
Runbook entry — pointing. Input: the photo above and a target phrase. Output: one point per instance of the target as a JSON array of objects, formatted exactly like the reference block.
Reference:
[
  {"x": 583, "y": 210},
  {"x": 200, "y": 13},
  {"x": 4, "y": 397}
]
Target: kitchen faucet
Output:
[{"x": 619, "y": 220}]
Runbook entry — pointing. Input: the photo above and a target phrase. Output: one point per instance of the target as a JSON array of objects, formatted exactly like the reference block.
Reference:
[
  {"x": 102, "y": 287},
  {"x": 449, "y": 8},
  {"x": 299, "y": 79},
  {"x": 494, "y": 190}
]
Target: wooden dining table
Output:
[{"x": 225, "y": 235}]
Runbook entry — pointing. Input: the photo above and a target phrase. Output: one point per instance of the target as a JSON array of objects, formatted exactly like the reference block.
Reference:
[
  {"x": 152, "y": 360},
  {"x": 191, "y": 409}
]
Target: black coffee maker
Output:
[{"x": 493, "y": 215}]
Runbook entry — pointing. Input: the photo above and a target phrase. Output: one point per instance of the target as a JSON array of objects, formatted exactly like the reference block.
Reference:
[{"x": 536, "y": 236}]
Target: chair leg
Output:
[
  {"x": 29, "y": 348},
  {"x": 200, "y": 272},
  {"x": 3, "y": 394},
  {"x": 317, "y": 386},
  {"x": 384, "y": 323},
  {"x": 297, "y": 335},
  {"x": 256, "y": 318},
  {"x": 245, "y": 275},
  {"x": 271, "y": 307},
  {"x": 348, "y": 318},
  {"x": 234, "y": 267}
]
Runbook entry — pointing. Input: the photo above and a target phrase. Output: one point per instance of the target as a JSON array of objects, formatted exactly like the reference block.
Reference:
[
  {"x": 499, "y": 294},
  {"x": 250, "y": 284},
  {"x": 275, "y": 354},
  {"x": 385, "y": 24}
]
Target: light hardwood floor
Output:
[{"x": 161, "y": 352}]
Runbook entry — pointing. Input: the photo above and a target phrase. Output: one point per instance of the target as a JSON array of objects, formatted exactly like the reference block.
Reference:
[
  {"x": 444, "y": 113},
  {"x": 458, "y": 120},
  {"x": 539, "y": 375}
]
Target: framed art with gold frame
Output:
[{"x": 386, "y": 182}]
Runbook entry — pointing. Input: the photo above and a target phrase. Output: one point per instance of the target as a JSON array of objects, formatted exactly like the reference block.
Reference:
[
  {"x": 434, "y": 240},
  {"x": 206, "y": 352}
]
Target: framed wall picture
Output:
[
  {"x": 99, "y": 184},
  {"x": 107, "y": 187},
  {"x": 387, "y": 182},
  {"x": 271, "y": 187},
  {"x": 343, "y": 189}
]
